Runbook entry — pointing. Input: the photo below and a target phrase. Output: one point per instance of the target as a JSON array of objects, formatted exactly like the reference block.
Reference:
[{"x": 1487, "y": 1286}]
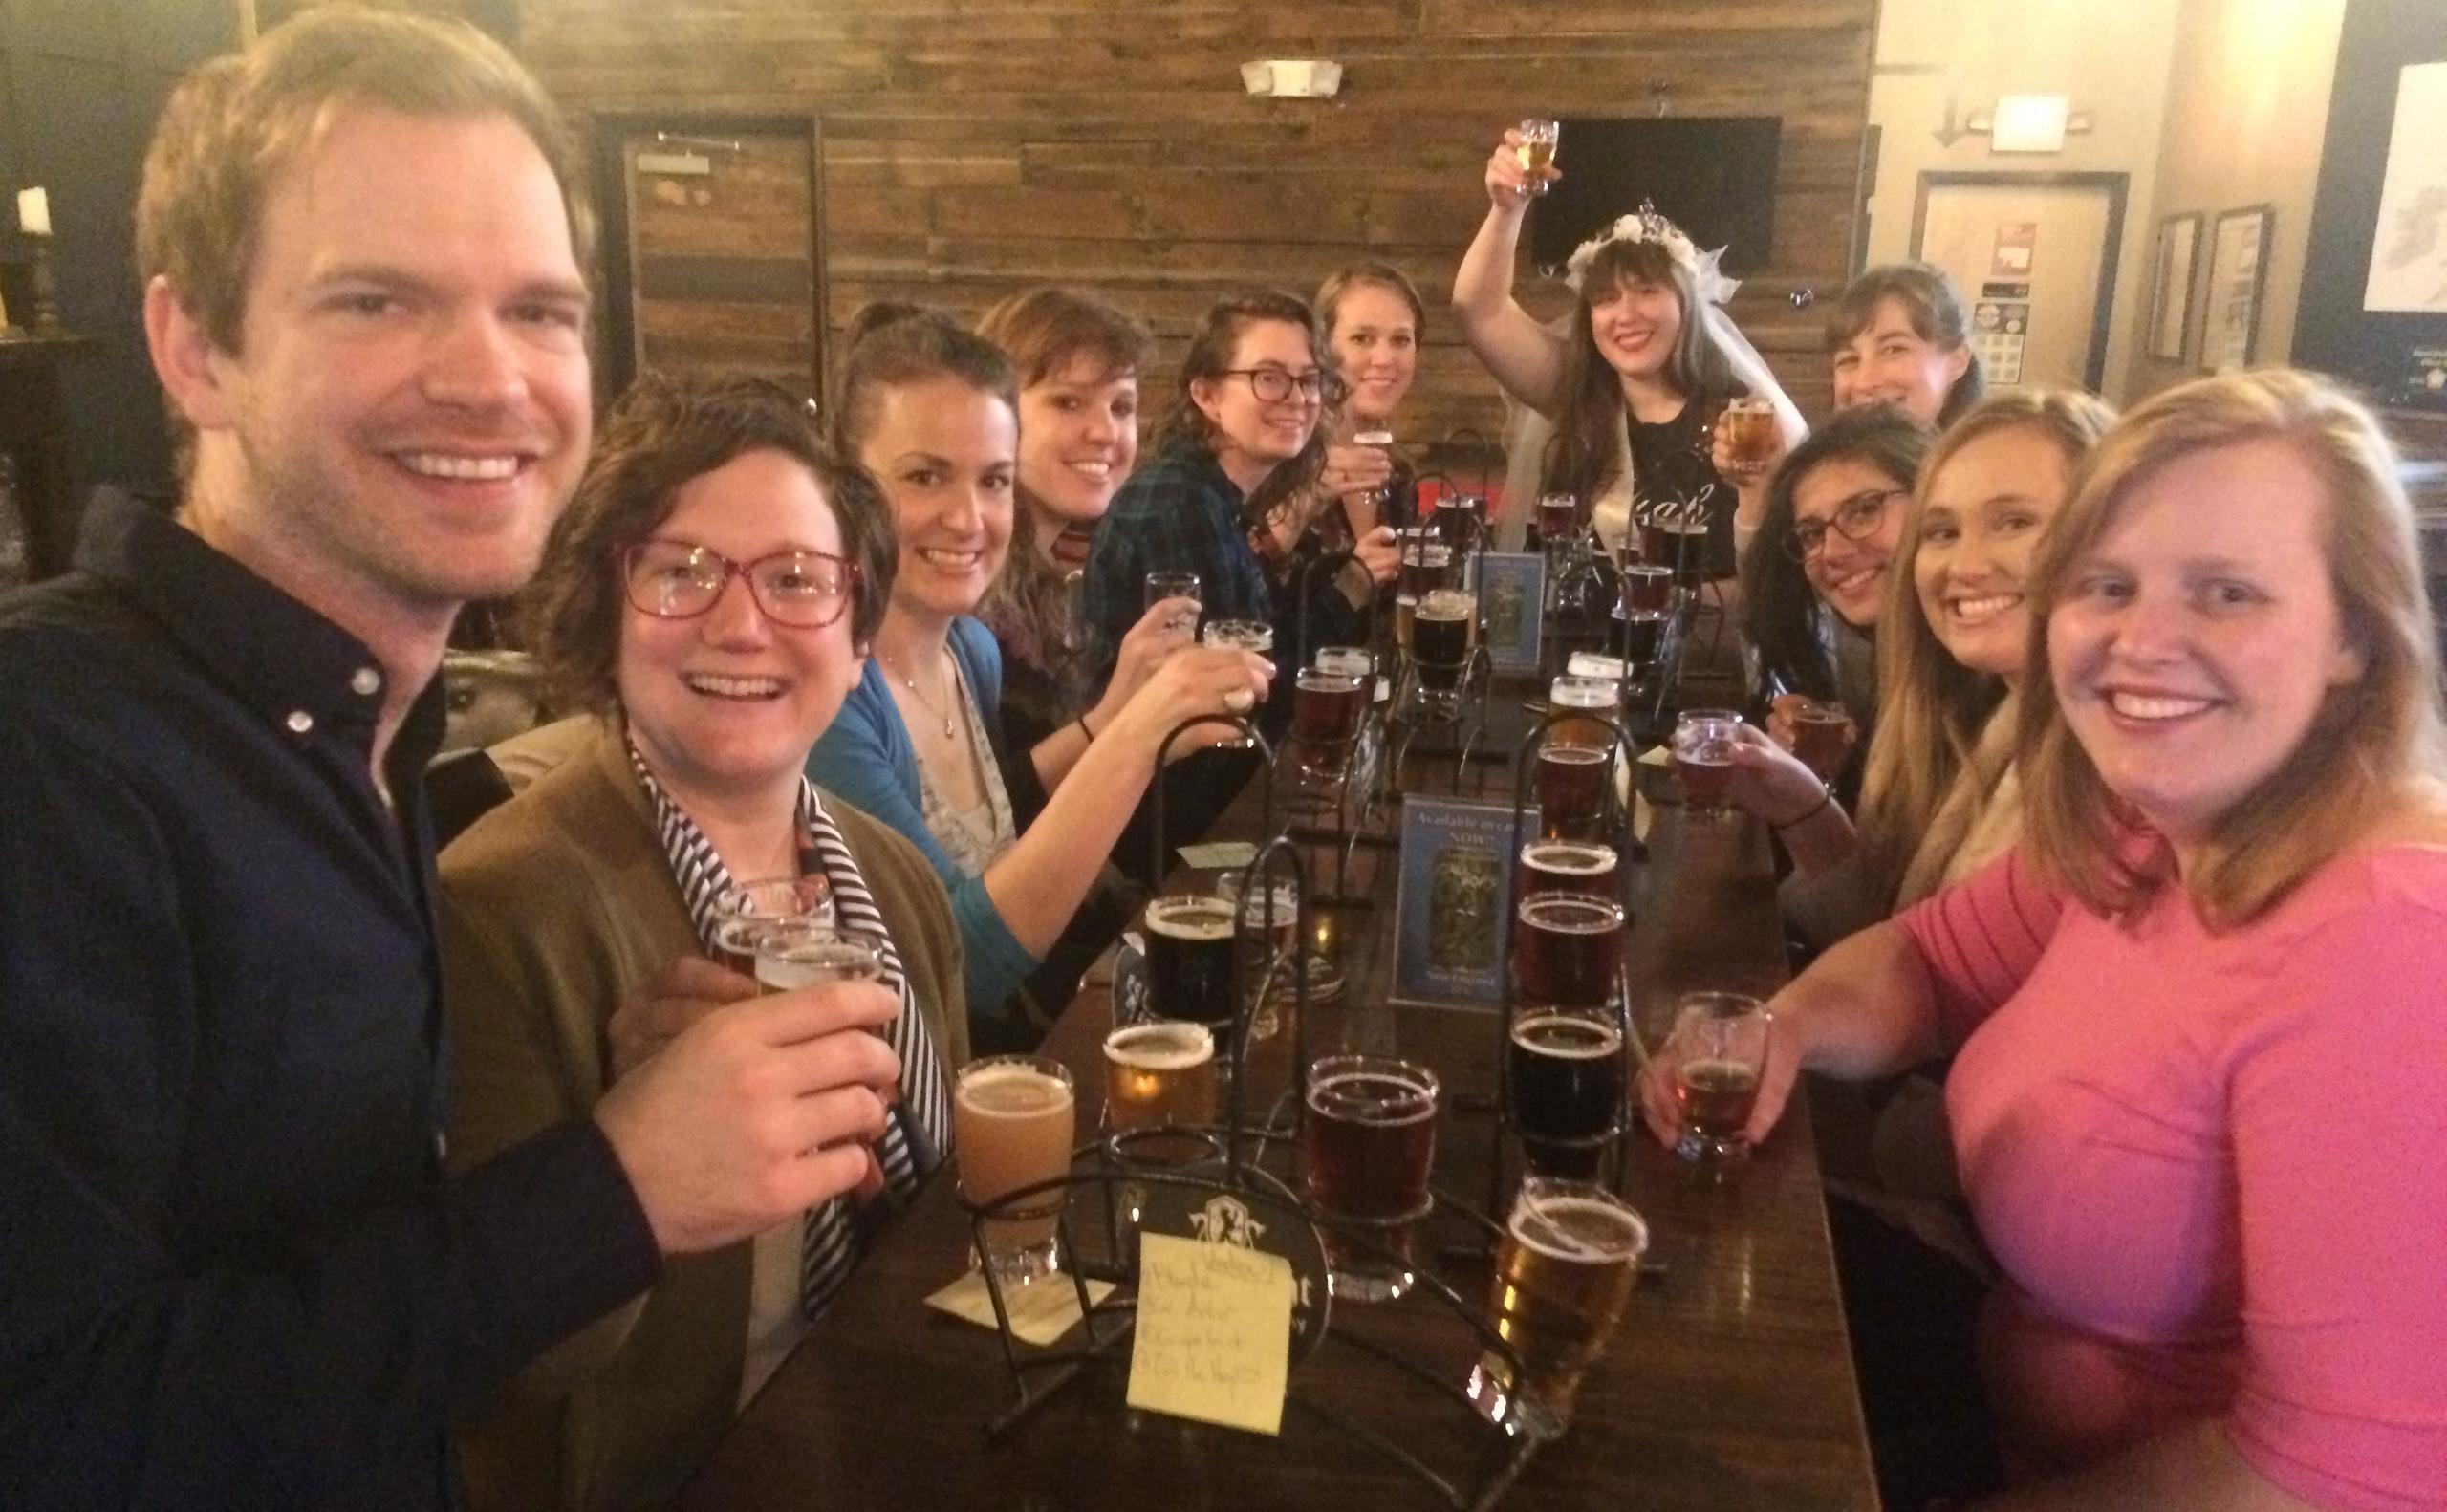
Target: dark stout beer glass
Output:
[{"x": 1566, "y": 1088}]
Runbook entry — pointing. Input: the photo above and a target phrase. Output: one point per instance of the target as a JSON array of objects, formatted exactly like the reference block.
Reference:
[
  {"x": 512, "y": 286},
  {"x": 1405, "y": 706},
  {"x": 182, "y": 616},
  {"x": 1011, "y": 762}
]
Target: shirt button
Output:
[
  {"x": 367, "y": 682},
  {"x": 299, "y": 722}
]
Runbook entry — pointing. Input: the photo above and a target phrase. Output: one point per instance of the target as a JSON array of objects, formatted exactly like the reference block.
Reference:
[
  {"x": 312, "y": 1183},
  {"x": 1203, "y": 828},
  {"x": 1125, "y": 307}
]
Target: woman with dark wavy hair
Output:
[{"x": 1221, "y": 497}]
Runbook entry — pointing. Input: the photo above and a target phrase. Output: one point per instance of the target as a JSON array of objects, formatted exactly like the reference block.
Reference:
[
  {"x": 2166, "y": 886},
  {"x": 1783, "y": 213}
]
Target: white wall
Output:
[
  {"x": 2246, "y": 112},
  {"x": 2112, "y": 57}
]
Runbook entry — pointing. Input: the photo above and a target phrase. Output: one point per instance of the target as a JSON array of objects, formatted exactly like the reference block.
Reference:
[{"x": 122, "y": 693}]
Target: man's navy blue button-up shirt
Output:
[{"x": 233, "y": 1272}]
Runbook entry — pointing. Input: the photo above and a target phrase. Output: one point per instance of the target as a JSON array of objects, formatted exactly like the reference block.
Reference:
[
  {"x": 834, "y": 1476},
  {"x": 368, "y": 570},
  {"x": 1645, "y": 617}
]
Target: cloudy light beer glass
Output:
[
  {"x": 1012, "y": 1125},
  {"x": 791, "y": 953},
  {"x": 1717, "y": 1053},
  {"x": 1366, "y": 1150},
  {"x": 1569, "y": 1258}
]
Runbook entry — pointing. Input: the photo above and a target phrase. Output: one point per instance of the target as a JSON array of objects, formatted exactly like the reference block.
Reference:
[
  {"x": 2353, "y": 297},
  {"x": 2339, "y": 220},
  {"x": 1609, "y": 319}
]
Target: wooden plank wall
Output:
[{"x": 973, "y": 147}]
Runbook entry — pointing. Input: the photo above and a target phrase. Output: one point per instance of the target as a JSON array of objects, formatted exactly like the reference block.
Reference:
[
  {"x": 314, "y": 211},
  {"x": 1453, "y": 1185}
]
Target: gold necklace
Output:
[{"x": 941, "y": 711}]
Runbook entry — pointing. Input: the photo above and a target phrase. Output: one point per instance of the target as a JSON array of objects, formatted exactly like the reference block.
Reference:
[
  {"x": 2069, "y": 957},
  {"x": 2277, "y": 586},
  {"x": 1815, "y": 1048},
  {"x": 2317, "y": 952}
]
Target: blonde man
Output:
[{"x": 236, "y": 1273}]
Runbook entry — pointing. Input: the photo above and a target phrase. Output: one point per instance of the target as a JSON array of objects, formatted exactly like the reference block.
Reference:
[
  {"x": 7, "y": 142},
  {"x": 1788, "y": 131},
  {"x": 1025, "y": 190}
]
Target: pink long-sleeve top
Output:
[{"x": 2213, "y": 1167}]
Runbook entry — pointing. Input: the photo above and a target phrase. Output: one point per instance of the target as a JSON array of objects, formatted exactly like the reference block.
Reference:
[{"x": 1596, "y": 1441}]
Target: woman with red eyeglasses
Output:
[{"x": 706, "y": 597}]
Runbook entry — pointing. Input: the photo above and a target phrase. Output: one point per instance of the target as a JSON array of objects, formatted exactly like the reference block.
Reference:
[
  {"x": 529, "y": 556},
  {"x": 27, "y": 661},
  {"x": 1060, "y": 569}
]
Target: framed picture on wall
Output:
[
  {"x": 2171, "y": 287},
  {"x": 2237, "y": 277}
]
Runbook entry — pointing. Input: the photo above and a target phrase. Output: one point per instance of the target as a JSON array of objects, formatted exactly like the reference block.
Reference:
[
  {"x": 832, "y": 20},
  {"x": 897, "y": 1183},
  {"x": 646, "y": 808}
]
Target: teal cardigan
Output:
[{"x": 865, "y": 756}]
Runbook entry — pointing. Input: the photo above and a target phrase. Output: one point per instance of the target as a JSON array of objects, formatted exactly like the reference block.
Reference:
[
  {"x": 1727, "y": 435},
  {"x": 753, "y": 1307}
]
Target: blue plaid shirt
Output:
[{"x": 1179, "y": 513}]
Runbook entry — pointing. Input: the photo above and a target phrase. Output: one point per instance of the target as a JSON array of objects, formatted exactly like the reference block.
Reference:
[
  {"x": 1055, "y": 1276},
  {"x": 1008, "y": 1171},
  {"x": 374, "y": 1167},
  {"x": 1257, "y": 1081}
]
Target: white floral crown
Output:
[{"x": 1646, "y": 225}]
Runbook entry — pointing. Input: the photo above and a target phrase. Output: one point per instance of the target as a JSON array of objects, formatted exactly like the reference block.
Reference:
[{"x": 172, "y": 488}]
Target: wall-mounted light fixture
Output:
[
  {"x": 1294, "y": 78},
  {"x": 2029, "y": 123}
]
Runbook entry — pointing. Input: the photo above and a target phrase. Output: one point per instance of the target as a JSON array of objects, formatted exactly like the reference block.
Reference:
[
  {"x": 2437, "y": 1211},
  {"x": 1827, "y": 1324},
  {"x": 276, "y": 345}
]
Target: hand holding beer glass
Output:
[
  {"x": 1535, "y": 140},
  {"x": 1748, "y": 441},
  {"x": 1714, "y": 1061},
  {"x": 1012, "y": 1118},
  {"x": 1570, "y": 1260},
  {"x": 1704, "y": 758}
]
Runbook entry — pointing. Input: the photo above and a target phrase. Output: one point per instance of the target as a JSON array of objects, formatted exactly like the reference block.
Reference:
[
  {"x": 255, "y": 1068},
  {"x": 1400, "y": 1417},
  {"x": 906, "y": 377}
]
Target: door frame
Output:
[
  {"x": 2116, "y": 186},
  {"x": 617, "y": 347}
]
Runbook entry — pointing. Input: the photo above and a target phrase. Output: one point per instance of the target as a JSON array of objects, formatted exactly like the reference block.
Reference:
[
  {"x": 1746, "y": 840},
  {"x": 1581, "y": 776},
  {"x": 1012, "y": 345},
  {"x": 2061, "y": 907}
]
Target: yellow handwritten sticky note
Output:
[
  {"x": 1214, "y": 1334},
  {"x": 1042, "y": 1311}
]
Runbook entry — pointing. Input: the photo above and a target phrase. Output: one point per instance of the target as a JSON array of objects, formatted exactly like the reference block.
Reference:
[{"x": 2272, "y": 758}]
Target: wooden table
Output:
[{"x": 1729, "y": 1385}]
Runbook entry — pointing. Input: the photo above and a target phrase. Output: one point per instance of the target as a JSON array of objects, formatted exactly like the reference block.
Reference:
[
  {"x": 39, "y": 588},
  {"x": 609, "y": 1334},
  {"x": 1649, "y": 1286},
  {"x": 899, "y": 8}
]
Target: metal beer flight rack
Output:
[
  {"x": 1616, "y": 827},
  {"x": 1237, "y": 1177}
]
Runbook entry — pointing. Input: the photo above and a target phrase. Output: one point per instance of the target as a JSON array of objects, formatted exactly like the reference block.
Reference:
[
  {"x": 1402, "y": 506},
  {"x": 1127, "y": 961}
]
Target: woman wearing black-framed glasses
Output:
[
  {"x": 1228, "y": 494},
  {"x": 707, "y": 598}
]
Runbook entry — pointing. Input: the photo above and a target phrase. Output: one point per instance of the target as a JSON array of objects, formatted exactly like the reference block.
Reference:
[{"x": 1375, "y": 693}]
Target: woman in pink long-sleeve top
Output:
[{"x": 2201, "y": 1096}]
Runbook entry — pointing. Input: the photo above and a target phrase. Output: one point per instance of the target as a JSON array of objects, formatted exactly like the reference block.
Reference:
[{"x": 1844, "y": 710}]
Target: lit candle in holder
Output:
[{"x": 34, "y": 212}]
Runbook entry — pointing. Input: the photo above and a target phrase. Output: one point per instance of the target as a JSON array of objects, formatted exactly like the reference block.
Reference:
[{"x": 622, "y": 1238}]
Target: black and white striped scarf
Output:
[{"x": 918, "y": 1139}]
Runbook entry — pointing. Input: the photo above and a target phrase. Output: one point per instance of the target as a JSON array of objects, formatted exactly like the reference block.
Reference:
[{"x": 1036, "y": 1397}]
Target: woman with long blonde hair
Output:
[{"x": 1939, "y": 796}]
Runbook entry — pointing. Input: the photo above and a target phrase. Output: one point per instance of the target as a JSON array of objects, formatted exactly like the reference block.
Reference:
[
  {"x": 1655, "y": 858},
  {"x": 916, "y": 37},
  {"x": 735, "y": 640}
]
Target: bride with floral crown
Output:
[{"x": 1617, "y": 402}]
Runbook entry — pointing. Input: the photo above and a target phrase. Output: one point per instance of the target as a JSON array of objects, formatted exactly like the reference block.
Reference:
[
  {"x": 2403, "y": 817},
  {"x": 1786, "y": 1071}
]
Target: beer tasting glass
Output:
[
  {"x": 1444, "y": 629},
  {"x": 1538, "y": 142},
  {"x": 1648, "y": 587},
  {"x": 1703, "y": 742},
  {"x": 1586, "y": 703},
  {"x": 1427, "y": 562},
  {"x": 1558, "y": 521},
  {"x": 795, "y": 954},
  {"x": 1327, "y": 708},
  {"x": 1822, "y": 736},
  {"x": 1012, "y": 1122},
  {"x": 1717, "y": 1052},
  {"x": 746, "y": 909},
  {"x": 1366, "y": 1150},
  {"x": 1566, "y": 1071},
  {"x": 1567, "y": 951},
  {"x": 1570, "y": 781},
  {"x": 1161, "y": 586},
  {"x": 1565, "y": 866},
  {"x": 1269, "y": 944},
  {"x": 1382, "y": 440},
  {"x": 1751, "y": 432},
  {"x": 1189, "y": 961},
  {"x": 1157, "y": 1074},
  {"x": 1674, "y": 534},
  {"x": 1569, "y": 1258}
]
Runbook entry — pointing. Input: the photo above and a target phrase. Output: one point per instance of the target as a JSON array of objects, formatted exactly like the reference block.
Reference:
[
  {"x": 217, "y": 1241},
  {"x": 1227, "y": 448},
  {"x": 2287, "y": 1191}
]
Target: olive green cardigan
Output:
[{"x": 554, "y": 908}]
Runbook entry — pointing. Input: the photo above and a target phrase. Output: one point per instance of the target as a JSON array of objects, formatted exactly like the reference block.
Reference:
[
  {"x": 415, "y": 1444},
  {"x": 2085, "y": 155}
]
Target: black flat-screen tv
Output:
[{"x": 1714, "y": 176}]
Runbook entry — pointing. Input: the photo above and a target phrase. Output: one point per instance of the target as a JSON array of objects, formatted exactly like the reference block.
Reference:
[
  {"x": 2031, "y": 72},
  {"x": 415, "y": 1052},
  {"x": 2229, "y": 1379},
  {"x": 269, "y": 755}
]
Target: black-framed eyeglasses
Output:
[
  {"x": 673, "y": 580},
  {"x": 1274, "y": 385},
  {"x": 1856, "y": 519}
]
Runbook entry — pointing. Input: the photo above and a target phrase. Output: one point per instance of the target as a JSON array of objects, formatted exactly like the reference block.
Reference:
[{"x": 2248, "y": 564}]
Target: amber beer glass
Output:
[
  {"x": 1012, "y": 1118},
  {"x": 1751, "y": 432},
  {"x": 1567, "y": 952},
  {"x": 1366, "y": 1149},
  {"x": 1565, "y": 866},
  {"x": 745, "y": 910},
  {"x": 1558, "y": 521},
  {"x": 1326, "y": 711},
  {"x": 1570, "y": 781},
  {"x": 1566, "y": 1071},
  {"x": 1718, "y": 1052},
  {"x": 1539, "y": 139},
  {"x": 1157, "y": 1074},
  {"x": 1822, "y": 737},
  {"x": 1703, "y": 742},
  {"x": 1584, "y": 704},
  {"x": 1569, "y": 1258}
]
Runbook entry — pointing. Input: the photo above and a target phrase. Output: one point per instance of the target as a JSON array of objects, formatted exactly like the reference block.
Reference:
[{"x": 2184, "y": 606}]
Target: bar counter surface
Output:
[{"x": 1727, "y": 1387}]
